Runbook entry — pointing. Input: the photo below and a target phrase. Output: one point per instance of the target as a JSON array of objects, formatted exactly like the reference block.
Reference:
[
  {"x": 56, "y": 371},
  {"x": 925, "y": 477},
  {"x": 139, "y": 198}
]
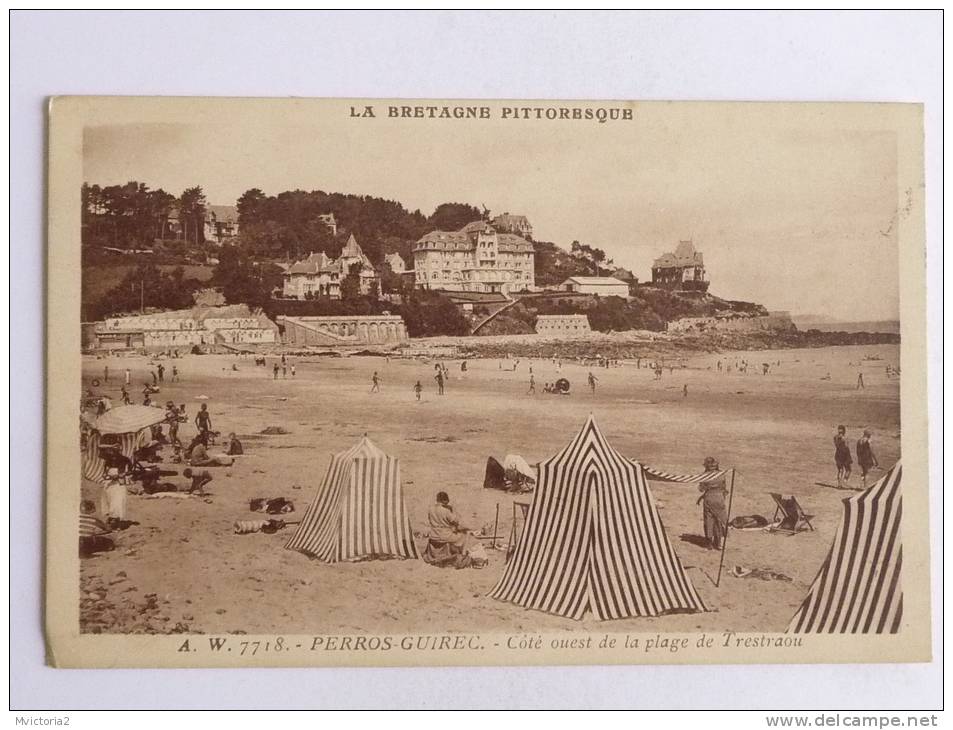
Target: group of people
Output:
[{"x": 866, "y": 459}]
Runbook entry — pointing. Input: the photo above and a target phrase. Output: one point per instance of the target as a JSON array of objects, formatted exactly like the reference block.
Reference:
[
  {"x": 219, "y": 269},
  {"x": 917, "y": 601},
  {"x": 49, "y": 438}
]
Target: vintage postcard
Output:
[{"x": 449, "y": 382}]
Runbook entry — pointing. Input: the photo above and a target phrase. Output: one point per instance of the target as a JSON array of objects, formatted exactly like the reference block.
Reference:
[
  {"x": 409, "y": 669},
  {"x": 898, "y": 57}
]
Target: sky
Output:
[{"x": 796, "y": 211}]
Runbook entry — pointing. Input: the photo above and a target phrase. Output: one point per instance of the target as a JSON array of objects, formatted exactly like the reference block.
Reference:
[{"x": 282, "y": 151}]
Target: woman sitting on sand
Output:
[{"x": 450, "y": 542}]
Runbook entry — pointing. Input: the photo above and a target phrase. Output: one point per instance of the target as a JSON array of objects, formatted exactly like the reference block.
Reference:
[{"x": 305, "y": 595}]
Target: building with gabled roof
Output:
[
  {"x": 682, "y": 269},
  {"x": 518, "y": 224},
  {"x": 475, "y": 258},
  {"x": 602, "y": 286},
  {"x": 318, "y": 275}
]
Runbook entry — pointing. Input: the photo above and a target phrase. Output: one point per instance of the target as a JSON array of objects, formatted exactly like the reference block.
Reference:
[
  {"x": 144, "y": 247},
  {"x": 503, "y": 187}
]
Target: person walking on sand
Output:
[
  {"x": 175, "y": 374},
  {"x": 439, "y": 378},
  {"x": 284, "y": 370},
  {"x": 685, "y": 390},
  {"x": 105, "y": 373},
  {"x": 376, "y": 383},
  {"x": 161, "y": 371},
  {"x": 860, "y": 382},
  {"x": 592, "y": 382},
  {"x": 292, "y": 370},
  {"x": 275, "y": 370},
  {"x": 417, "y": 388},
  {"x": 842, "y": 458},
  {"x": 865, "y": 456},
  {"x": 532, "y": 385},
  {"x": 125, "y": 395},
  {"x": 128, "y": 377}
]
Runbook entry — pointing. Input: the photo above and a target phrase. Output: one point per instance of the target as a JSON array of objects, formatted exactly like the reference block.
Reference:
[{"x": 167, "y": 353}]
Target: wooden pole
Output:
[
  {"x": 724, "y": 540},
  {"x": 496, "y": 523}
]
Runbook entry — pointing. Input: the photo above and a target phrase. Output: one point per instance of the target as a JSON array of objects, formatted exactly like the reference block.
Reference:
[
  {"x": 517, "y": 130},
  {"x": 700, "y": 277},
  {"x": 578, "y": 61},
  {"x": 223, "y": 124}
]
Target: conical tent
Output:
[
  {"x": 359, "y": 510},
  {"x": 594, "y": 541},
  {"x": 858, "y": 588}
]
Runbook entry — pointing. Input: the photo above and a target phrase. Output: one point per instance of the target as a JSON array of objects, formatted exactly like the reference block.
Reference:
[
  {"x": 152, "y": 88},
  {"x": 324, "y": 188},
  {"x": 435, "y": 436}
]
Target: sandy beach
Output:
[{"x": 181, "y": 568}]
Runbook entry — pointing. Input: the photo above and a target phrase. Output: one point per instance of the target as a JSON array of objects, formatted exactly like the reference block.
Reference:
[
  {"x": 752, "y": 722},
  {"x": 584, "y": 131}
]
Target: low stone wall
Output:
[
  {"x": 343, "y": 331},
  {"x": 772, "y": 321}
]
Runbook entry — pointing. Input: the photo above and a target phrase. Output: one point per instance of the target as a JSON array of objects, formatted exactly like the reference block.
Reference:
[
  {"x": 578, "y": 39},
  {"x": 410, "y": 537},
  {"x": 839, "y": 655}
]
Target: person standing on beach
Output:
[
  {"x": 125, "y": 395},
  {"x": 203, "y": 420},
  {"x": 292, "y": 370},
  {"x": 128, "y": 377},
  {"x": 842, "y": 459},
  {"x": 275, "y": 370},
  {"x": 284, "y": 369},
  {"x": 532, "y": 385},
  {"x": 592, "y": 382},
  {"x": 860, "y": 382},
  {"x": 161, "y": 371},
  {"x": 105, "y": 373},
  {"x": 376, "y": 383},
  {"x": 439, "y": 378},
  {"x": 175, "y": 374},
  {"x": 685, "y": 390},
  {"x": 417, "y": 388},
  {"x": 865, "y": 456},
  {"x": 712, "y": 499}
]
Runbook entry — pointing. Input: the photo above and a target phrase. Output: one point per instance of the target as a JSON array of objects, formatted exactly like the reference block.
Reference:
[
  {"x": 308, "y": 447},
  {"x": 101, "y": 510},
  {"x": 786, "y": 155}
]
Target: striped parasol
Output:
[{"x": 128, "y": 419}]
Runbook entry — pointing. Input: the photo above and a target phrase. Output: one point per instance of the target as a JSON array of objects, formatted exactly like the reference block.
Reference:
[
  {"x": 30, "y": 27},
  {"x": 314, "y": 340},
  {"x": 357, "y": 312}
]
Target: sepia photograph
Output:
[{"x": 375, "y": 382}]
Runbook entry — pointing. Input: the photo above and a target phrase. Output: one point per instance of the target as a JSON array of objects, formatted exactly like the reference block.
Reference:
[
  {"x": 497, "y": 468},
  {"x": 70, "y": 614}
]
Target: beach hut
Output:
[
  {"x": 358, "y": 511},
  {"x": 858, "y": 589},
  {"x": 593, "y": 541}
]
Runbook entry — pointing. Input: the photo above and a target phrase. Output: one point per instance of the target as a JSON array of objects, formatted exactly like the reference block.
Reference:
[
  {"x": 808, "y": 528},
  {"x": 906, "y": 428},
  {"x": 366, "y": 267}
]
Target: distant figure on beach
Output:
[
  {"x": 719, "y": 366},
  {"x": 105, "y": 373},
  {"x": 685, "y": 390},
  {"x": 125, "y": 395},
  {"x": 764, "y": 368},
  {"x": 155, "y": 378},
  {"x": 860, "y": 382},
  {"x": 592, "y": 382},
  {"x": 865, "y": 456},
  {"x": 439, "y": 378},
  {"x": 175, "y": 374},
  {"x": 417, "y": 388},
  {"x": 532, "y": 385},
  {"x": 292, "y": 370},
  {"x": 128, "y": 377},
  {"x": 284, "y": 368},
  {"x": 275, "y": 370},
  {"x": 161, "y": 371},
  {"x": 375, "y": 383},
  {"x": 842, "y": 459}
]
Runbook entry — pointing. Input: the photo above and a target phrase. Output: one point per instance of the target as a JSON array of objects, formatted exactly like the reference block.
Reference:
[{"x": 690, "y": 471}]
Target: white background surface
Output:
[{"x": 869, "y": 56}]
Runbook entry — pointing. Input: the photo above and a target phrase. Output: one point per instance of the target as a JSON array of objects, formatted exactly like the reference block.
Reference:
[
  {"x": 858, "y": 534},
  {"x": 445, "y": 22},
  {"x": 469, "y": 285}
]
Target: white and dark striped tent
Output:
[
  {"x": 593, "y": 541},
  {"x": 858, "y": 589},
  {"x": 359, "y": 510}
]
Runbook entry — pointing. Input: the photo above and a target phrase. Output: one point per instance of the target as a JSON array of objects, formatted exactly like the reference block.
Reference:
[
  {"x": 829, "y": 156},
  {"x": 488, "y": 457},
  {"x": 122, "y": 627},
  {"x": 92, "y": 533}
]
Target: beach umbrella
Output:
[{"x": 128, "y": 419}]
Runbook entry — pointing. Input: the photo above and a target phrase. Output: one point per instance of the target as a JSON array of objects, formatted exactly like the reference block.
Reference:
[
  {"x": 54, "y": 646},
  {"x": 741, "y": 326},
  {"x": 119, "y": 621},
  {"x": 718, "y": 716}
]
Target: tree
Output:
[
  {"x": 351, "y": 283},
  {"x": 454, "y": 216},
  {"x": 251, "y": 207},
  {"x": 192, "y": 214},
  {"x": 244, "y": 281}
]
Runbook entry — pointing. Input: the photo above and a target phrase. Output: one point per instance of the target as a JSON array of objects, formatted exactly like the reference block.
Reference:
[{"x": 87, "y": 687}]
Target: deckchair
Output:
[
  {"x": 520, "y": 509},
  {"x": 793, "y": 518}
]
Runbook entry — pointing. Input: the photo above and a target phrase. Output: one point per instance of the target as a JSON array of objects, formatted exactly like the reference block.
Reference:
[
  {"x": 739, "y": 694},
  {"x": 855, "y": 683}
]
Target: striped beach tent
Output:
[
  {"x": 358, "y": 511},
  {"x": 94, "y": 466},
  {"x": 858, "y": 589},
  {"x": 593, "y": 541}
]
